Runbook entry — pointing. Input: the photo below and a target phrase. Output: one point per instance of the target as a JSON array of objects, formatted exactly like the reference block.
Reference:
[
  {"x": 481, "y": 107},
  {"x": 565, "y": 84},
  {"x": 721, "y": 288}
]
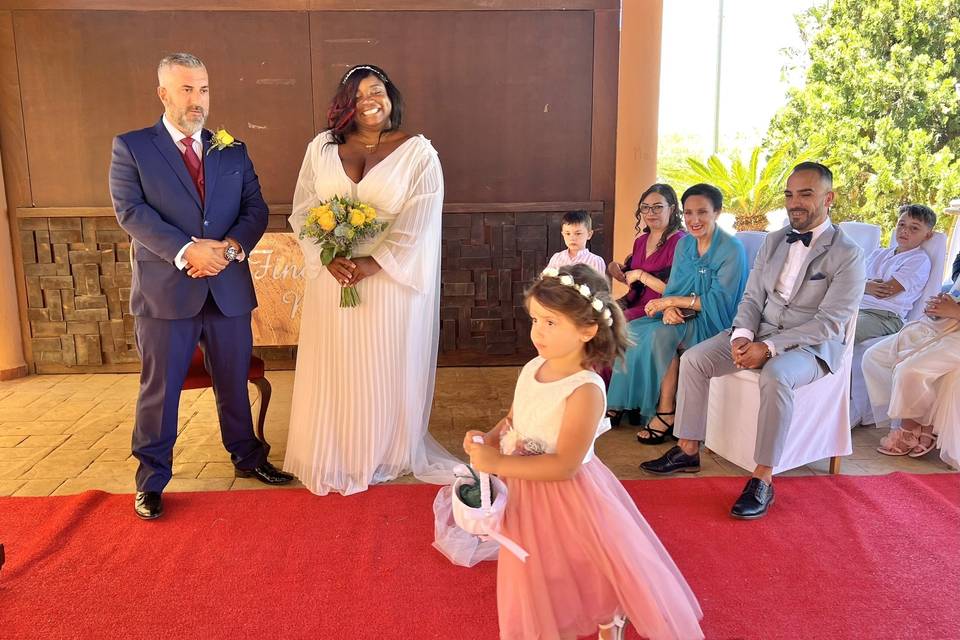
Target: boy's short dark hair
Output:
[
  {"x": 920, "y": 212},
  {"x": 577, "y": 217}
]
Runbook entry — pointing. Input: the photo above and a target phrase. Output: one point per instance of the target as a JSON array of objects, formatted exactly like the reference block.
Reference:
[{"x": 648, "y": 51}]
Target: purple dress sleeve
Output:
[{"x": 658, "y": 264}]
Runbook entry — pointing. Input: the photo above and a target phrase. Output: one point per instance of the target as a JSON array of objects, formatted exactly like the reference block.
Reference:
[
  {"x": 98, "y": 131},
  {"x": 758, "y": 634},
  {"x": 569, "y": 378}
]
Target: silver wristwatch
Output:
[{"x": 230, "y": 253}]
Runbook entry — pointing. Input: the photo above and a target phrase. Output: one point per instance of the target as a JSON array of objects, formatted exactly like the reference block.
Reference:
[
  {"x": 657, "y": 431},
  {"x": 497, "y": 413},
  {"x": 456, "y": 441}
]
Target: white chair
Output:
[
  {"x": 821, "y": 419},
  {"x": 861, "y": 412},
  {"x": 864, "y": 234},
  {"x": 752, "y": 241}
]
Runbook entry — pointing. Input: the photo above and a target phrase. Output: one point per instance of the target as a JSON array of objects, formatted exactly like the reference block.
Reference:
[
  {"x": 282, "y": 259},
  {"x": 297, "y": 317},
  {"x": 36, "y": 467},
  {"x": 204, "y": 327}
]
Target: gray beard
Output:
[{"x": 190, "y": 125}]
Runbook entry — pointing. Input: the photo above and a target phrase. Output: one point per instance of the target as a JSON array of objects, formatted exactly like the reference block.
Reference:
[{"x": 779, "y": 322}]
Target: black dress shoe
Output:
[
  {"x": 265, "y": 473},
  {"x": 753, "y": 503},
  {"x": 673, "y": 461},
  {"x": 148, "y": 504}
]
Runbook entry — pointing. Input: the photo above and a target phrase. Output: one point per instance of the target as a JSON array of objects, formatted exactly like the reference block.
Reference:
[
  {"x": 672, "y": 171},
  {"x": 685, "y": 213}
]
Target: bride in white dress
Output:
[{"x": 365, "y": 375}]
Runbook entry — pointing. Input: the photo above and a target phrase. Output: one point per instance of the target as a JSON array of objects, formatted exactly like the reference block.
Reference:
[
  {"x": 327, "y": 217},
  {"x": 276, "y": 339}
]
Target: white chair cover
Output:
[
  {"x": 864, "y": 234},
  {"x": 821, "y": 420}
]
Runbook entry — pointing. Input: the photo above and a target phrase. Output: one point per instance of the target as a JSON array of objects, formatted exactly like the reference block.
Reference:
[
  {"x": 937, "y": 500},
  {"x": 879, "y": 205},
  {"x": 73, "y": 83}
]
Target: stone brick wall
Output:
[{"x": 76, "y": 273}]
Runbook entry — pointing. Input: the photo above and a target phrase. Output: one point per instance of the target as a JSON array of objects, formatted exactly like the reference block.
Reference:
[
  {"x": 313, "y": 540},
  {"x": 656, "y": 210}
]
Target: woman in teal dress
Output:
[{"x": 706, "y": 284}]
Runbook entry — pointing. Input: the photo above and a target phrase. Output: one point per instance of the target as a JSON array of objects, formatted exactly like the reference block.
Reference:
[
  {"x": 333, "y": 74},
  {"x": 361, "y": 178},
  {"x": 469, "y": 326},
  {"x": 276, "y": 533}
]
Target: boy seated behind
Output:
[
  {"x": 896, "y": 276},
  {"x": 577, "y": 228}
]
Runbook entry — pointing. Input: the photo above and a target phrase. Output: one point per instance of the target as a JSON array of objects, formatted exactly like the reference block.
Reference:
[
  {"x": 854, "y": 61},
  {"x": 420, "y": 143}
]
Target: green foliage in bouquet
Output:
[{"x": 336, "y": 225}]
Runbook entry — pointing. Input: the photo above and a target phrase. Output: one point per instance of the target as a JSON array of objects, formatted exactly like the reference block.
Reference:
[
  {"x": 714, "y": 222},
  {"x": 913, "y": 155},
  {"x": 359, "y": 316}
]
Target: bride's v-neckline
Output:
[{"x": 357, "y": 183}]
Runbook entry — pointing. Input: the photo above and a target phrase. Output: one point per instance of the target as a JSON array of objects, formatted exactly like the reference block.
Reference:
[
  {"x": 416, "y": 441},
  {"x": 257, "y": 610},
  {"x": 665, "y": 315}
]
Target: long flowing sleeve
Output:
[
  {"x": 304, "y": 198},
  {"x": 723, "y": 290},
  {"x": 410, "y": 252}
]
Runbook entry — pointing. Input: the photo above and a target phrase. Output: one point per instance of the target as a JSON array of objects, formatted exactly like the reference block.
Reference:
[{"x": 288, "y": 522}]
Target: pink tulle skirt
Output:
[{"x": 592, "y": 556}]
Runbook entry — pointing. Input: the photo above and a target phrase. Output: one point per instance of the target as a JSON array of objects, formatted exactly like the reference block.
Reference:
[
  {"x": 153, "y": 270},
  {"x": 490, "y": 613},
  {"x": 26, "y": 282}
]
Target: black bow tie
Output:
[{"x": 805, "y": 238}]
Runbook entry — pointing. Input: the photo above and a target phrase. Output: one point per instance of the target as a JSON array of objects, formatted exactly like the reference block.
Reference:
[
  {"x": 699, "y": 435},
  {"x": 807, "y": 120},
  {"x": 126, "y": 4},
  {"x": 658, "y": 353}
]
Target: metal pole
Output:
[{"x": 716, "y": 100}]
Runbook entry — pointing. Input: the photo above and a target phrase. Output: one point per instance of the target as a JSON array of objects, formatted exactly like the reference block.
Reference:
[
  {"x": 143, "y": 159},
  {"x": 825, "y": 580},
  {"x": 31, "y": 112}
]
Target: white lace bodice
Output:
[{"x": 538, "y": 411}]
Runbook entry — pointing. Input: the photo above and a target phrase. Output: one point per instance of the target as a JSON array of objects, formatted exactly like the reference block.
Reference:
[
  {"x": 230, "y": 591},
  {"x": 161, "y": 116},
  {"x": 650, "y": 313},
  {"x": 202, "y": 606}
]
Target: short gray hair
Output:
[{"x": 179, "y": 60}]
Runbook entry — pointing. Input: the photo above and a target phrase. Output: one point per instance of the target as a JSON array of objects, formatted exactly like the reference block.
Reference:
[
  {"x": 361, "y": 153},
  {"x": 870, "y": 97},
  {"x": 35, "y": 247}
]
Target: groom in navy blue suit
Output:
[{"x": 193, "y": 213}]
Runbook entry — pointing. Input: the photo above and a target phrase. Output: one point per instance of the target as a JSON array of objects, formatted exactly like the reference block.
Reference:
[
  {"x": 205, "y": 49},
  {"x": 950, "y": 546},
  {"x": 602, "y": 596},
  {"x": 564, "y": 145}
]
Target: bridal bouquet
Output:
[{"x": 336, "y": 225}]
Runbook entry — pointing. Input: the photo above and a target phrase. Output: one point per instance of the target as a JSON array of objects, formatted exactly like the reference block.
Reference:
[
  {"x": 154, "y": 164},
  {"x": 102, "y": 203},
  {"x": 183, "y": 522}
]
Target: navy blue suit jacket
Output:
[{"x": 158, "y": 205}]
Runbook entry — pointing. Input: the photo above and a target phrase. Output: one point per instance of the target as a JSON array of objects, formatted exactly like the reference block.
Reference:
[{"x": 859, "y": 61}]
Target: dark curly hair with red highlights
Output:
[{"x": 343, "y": 106}]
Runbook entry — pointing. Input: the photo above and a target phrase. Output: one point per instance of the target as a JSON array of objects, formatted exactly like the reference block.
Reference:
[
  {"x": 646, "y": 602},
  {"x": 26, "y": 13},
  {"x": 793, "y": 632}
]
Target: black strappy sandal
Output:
[{"x": 656, "y": 436}]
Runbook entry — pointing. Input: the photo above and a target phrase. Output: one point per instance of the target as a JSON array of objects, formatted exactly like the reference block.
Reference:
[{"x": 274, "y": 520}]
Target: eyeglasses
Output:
[{"x": 651, "y": 208}]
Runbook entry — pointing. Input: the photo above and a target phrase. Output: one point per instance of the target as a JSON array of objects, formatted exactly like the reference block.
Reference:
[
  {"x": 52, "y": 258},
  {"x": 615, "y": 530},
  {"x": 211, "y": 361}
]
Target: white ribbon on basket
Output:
[{"x": 484, "y": 520}]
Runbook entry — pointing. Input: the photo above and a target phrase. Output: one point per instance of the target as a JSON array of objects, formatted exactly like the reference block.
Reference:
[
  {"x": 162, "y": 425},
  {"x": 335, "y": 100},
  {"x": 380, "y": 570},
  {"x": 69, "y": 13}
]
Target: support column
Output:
[
  {"x": 12, "y": 364},
  {"x": 637, "y": 115}
]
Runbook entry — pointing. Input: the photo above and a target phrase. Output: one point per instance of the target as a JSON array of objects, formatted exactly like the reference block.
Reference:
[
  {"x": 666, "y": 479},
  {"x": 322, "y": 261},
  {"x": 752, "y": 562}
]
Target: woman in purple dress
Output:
[{"x": 647, "y": 269}]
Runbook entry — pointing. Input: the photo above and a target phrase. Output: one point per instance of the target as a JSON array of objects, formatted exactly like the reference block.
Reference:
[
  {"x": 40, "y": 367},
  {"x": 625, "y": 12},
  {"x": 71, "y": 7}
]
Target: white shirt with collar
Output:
[
  {"x": 787, "y": 279},
  {"x": 181, "y": 141}
]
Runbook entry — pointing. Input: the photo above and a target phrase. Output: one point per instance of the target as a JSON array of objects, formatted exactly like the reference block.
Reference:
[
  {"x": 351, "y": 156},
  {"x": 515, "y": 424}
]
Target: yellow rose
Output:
[
  {"x": 356, "y": 217},
  {"x": 370, "y": 213},
  {"x": 328, "y": 221},
  {"x": 223, "y": 137}
]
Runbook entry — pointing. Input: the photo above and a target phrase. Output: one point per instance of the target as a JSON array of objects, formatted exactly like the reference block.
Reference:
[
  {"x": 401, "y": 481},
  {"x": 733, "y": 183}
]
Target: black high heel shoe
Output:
[
  {"x": 615, "y": 416},
  {"x": 656, "y": 436}
]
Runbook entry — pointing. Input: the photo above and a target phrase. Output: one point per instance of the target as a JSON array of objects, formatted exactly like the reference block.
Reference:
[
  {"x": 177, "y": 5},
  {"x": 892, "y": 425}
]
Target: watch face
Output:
[{"x": 230, "y": 253}]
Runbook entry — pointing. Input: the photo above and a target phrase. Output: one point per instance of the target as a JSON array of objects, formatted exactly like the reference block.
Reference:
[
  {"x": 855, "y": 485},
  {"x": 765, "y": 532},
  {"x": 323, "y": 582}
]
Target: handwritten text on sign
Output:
[{"x": 276, "y": 265}]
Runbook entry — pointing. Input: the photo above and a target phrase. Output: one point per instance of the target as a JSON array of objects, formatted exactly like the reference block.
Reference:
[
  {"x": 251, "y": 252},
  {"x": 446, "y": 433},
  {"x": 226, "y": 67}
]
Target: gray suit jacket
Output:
[{"x": 826, "y": 295}]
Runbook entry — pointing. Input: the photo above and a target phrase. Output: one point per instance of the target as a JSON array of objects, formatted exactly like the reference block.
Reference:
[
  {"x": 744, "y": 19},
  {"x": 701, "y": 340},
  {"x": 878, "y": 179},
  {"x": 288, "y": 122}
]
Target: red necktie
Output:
[{"x": 193, "y": 166}]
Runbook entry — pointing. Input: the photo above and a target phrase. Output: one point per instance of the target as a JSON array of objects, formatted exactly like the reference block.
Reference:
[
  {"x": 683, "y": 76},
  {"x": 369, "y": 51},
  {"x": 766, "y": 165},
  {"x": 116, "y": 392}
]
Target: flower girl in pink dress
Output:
[{"x": 594, "y": 560}]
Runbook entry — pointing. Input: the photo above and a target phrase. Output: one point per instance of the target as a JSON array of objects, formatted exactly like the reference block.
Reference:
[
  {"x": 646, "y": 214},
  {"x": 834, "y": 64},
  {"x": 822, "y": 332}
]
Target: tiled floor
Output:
[{"x": 66, "y": 434}]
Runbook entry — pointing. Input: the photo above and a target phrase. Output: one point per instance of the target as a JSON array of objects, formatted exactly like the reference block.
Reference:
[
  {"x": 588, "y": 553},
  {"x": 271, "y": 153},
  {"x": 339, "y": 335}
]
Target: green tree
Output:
[
  {"x": 749, "y": 189},
  {"x": 882, "y": 97}
]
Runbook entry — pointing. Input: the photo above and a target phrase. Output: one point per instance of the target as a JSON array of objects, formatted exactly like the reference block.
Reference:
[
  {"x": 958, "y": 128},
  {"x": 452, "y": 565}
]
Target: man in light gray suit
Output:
[{"x": 805, "y": 285}]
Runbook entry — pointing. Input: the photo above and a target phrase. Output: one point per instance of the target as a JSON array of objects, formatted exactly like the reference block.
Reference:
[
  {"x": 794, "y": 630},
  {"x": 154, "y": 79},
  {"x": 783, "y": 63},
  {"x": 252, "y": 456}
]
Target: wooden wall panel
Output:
[
  {"x": 505, "y": 96},
  {"x": 87, "y": 75},
  {"x": 77, "y": 278}
]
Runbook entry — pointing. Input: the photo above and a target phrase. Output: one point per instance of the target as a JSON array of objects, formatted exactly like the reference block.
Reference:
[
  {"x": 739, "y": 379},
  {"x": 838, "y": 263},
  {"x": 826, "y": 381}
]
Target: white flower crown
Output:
[{"x": 595, "y": 302}]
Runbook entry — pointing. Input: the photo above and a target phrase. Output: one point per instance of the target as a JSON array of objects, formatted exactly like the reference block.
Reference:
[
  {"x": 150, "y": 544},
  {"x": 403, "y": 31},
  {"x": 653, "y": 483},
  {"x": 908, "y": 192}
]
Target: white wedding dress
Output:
[{"x": 364, "y": 380}]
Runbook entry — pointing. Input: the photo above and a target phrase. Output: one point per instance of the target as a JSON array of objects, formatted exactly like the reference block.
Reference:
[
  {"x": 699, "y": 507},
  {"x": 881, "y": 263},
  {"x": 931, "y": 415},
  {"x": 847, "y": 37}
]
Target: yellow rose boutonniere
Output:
[{"x": 221, "y": 140}]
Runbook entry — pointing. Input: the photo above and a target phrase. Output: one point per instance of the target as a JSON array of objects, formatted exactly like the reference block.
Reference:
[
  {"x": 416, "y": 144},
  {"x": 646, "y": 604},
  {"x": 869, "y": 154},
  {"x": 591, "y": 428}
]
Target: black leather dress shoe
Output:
[
  {"x": 673, "y": 461},
  {"x": 148, "y": 504},
  {"x": 753, "y": 503},
  {"x": 265, "y": 473}
]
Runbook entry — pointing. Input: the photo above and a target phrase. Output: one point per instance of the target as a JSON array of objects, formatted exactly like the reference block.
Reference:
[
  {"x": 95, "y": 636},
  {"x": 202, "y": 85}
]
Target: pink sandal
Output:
[
  {"x": 921, "y": 449},
  {"x": 899, "y": 442}
]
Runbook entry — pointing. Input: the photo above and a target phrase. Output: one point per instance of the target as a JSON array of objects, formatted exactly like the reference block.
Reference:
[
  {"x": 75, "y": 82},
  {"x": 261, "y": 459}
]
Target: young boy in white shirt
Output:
[
  {"x": 577, "y": 229},
  {"x": 896, "y": 276}
]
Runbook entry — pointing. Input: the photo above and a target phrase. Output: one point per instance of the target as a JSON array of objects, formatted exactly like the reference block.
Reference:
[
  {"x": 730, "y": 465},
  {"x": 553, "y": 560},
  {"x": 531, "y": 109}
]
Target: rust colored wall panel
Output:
[
  {"x": 505, "y": 96},
  {"x": 86, "y": 76}
]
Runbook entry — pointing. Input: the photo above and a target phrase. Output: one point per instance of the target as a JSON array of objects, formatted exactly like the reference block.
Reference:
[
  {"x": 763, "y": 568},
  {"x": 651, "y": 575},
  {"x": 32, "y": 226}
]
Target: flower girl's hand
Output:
[
  {"x": 483, "y": 457},
  {"x": 468, "y": 439}
]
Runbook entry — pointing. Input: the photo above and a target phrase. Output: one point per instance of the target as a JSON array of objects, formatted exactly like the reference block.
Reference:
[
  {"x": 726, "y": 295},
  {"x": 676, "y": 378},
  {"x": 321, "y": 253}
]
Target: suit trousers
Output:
[
  {"x": 166, "y": 348},
  {"x": 779, "y": 377}
]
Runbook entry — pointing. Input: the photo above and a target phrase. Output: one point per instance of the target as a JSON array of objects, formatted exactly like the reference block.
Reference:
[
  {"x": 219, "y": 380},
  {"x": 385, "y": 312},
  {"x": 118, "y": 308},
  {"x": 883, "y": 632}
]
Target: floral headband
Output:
[
  {"x": 568, "y": 281},
  {"x": 368, "y": 68}
]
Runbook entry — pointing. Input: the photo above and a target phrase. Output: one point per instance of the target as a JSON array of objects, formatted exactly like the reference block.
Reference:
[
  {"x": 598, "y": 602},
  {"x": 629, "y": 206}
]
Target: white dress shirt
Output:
[{"x": 787, "y": 279}]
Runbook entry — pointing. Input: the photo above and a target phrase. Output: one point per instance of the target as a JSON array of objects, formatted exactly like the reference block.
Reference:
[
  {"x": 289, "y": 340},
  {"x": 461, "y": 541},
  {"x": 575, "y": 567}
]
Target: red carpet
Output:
[{"x": 838, "y": 557}]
